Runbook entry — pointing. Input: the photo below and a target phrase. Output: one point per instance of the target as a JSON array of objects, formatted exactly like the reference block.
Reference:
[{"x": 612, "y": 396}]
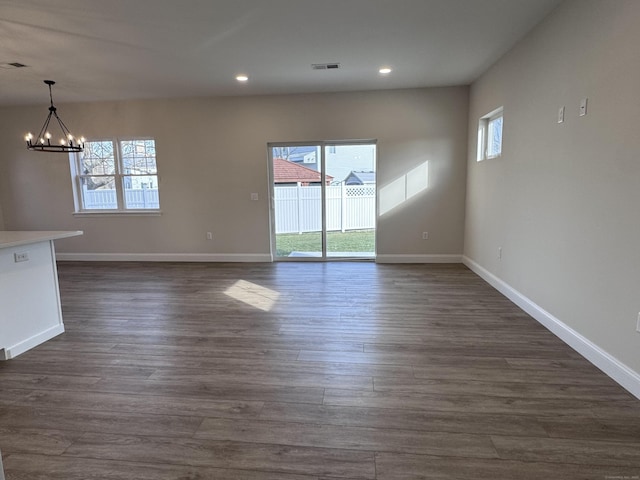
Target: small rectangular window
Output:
[
  {"x": 116, "y": 176},
  {"x": 490, "y": 135}
]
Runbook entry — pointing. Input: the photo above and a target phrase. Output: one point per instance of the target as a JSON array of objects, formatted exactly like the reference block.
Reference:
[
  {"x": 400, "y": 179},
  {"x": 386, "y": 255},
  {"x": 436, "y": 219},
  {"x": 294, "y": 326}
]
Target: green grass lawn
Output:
[{"x": 351, "y": 241}]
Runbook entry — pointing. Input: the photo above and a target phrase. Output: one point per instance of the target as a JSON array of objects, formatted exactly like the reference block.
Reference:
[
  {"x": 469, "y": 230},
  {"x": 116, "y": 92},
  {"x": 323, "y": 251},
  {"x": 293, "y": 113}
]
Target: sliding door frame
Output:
[{"x": 322, "y": 144}]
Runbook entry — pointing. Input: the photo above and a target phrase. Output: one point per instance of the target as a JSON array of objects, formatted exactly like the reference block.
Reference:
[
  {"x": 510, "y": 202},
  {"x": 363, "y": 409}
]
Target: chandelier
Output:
[{"x": 42, "y": 143}]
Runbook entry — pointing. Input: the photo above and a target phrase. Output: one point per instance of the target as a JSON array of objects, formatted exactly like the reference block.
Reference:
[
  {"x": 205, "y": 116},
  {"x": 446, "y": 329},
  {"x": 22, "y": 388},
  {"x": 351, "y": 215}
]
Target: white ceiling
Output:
[{"x": 126, "y": 49}]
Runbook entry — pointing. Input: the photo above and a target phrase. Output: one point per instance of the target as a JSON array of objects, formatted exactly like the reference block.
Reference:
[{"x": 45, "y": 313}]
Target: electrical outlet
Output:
[
  {"x": 254, "y": 196},
  {"x": 499, "y": 253},
  {"x": 425, "y": 235},
  {"x": 209, "y": 236},
  {"x": 21, "y": 257}
]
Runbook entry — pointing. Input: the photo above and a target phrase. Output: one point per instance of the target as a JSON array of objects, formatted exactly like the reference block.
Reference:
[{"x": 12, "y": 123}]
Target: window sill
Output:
[
  {"x": 488, "y": 158},
  {"x": 118, "y": 213}
]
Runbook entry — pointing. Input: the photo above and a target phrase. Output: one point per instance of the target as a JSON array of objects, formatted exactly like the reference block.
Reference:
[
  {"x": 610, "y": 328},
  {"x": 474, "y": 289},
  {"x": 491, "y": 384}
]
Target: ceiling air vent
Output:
[
  {"x": 325, "y": 66},
  {"x": 12, "y": 65}
]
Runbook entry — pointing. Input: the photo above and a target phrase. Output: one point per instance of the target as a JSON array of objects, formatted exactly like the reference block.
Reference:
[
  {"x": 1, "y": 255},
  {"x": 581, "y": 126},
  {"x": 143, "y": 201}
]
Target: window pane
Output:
[
  {"x": 138, "y": 157},
  {"x": 494, "y": 147},
  {"x": 141, "y": 191},
  {"x": 98, "y": 193},
  {"x": 298, "y": 200},
  {"x": 97, "y": 159}
]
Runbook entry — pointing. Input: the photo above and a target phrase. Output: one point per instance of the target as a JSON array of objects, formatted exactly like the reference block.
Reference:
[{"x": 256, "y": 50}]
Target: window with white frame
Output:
[
  {"x": 490, "y": 135},
  {"x": 116, "y": 176}
]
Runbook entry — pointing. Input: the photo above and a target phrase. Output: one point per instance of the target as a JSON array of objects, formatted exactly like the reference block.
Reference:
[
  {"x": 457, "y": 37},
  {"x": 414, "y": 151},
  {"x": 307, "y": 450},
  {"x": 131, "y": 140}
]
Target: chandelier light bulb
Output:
[{"x": 47, "y": 135}]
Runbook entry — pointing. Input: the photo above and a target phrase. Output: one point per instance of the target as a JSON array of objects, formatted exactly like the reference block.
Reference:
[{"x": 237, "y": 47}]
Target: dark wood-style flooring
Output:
[{"x": 305, "y": 371}]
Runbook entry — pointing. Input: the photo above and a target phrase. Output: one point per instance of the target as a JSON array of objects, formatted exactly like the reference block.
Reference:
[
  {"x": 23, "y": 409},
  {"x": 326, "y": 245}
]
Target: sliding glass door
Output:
[{"x": 323, "y": 200}]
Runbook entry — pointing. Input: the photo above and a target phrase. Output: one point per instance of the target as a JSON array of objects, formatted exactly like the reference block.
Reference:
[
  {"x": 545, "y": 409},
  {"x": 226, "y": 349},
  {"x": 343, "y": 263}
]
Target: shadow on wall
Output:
[{"x": 404, "y": 187}]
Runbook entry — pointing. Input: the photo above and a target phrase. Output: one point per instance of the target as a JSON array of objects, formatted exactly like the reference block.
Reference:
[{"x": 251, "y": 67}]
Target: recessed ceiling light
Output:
[
  {"x": 384, "y": 71},
  {"x": 242, "y": 78}
]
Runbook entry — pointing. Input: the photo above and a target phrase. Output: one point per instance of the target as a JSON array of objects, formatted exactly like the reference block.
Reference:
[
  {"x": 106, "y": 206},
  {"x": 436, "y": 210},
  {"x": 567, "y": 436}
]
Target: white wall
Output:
[
  {"x": 564, "y": 199},
  {"x": 212, "y": 153}
]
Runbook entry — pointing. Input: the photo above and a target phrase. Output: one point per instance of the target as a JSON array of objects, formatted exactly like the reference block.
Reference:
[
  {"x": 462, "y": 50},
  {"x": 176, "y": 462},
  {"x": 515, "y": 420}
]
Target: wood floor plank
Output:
[
  {"x": 577, "y": 364},
  {"x": 220, "y": 454},
  {"x": 421, "y": 467},
  {"x": 345, "y": 437},
  {"x": 611, "y": 429},
  {"x": 44, "y": 381},
  {"x": 501, "y": 389},
  {"x": 400, "y": 358},
  {"x": 410, "y": 372},
  {"x": 473, "y": 347},
  {"x": 57, "y": 371},
  {"x": 215, "y": 342},
  {"x": 568, "y": 451},
  {"x": 566, "y": 376},
  {"x": 47, "y": 467},
  {"x": 258, "y": 378},
  {"x": 404, "y": 418},
  {"x": 35, "y": 440},
  {"x": 142, "y": 404},
  {"x": 77, "y": 420},
  {"x": 210, "y": 390},
  {"x": 205, "y": 352},
  {"x": 485, "y": 404},
  {"x": 11, "y": 396},
  {"x": 246, "y": 366},
  {"x": 77, "y": 346}
]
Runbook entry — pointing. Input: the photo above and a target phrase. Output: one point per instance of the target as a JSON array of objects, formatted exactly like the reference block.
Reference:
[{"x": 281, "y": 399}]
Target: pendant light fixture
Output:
[{"x": 42, "y": 143}]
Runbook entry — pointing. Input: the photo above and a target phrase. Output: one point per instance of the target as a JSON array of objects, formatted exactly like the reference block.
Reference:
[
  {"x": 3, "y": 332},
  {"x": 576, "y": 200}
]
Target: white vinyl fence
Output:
[
  {"x": 299, "y": 209},
  {"x": 104, "y": 199}
]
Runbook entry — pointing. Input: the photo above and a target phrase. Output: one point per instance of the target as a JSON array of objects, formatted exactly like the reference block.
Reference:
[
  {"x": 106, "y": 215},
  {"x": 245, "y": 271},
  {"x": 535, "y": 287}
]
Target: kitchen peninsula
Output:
[{"x": 30, "y": 312}]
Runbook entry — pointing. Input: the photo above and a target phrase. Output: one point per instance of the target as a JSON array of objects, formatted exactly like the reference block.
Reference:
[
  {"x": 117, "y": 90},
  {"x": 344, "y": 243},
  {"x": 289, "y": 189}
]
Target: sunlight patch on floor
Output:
[{"x": 254, "y": 295}]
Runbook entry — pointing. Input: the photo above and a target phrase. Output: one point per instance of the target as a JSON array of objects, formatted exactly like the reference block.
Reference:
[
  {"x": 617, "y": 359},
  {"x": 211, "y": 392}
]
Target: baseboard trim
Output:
[
  {"x": 232, "y": 257},
  {"x": 439, "y": 258},
  {"x": 164, "y": 257},
  {"x": 614, "y": 368},
  {"x": 7, "y": 353}
]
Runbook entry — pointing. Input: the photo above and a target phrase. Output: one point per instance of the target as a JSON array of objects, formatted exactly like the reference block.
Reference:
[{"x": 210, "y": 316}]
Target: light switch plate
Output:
[
  {"x": 583, "y": 107},
  {"x": 561, "y": 114}
]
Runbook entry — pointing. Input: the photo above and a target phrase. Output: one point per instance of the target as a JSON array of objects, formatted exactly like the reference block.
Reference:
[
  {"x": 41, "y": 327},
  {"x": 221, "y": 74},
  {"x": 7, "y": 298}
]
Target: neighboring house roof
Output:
[
  {"x": 360, "y": 178},
  {"x": 285, "y": 171}
]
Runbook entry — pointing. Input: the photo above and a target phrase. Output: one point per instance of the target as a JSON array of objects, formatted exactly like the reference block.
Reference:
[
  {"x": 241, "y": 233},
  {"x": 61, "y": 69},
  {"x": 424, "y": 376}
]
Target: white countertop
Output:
[{"x": 16, "y": 238}]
